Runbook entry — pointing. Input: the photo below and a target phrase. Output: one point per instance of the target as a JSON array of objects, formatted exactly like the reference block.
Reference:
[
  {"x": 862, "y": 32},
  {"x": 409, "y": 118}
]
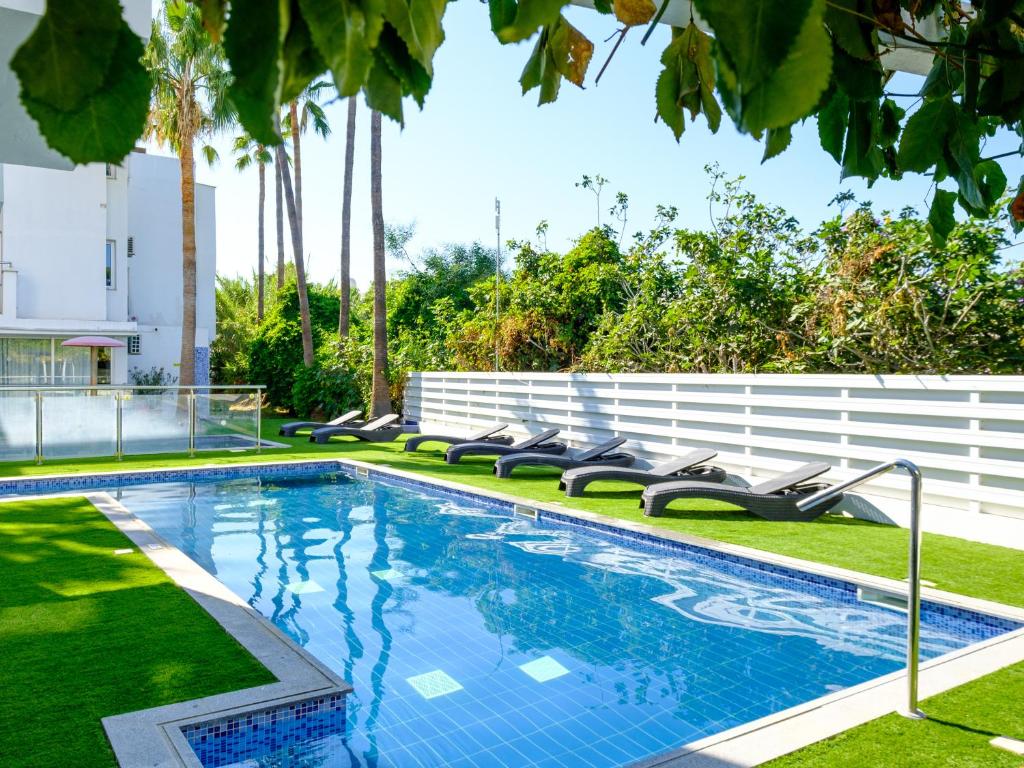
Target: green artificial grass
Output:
[
  {"x": 85, "y": 633},
  {"x": 960, "y": 724},
  {"x": 962, "y": 721}
]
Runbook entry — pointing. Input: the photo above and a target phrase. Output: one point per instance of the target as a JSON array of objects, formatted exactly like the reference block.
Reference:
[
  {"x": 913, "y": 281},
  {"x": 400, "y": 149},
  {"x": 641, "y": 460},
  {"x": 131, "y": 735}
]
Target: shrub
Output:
[
  {"x": 276, "y": 351},
  {"x": 333, "y": 385}
]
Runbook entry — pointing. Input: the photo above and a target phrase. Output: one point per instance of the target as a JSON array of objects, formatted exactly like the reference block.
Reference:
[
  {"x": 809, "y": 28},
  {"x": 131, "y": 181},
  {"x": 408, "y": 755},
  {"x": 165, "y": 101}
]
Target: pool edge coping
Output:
[
  {"x": 153, "y": 737},
  {"x": 749, "y": 744}
]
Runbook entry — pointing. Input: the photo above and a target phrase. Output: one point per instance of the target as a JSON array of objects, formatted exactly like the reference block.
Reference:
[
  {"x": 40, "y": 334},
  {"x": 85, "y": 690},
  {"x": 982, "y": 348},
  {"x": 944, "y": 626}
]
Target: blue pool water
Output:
[{"x": 476, "y": 638}]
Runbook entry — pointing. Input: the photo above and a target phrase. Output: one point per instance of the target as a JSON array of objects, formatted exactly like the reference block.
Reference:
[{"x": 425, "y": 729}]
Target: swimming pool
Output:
[{"x": 474, "y": 637}]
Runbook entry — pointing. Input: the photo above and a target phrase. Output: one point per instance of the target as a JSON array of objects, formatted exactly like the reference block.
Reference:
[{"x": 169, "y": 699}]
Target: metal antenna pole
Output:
[{"x": 497, "y": 285}]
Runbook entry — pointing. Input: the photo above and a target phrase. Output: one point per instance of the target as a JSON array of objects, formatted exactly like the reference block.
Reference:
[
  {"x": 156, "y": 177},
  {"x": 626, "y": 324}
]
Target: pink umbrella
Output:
[{"x": 92, "y": 341}]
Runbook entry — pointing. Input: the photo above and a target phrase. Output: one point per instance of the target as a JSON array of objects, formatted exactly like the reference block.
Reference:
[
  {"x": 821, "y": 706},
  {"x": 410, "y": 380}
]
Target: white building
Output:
[
  {"x": 92, "y": 250},
  {"x": 97, "y": 251}
]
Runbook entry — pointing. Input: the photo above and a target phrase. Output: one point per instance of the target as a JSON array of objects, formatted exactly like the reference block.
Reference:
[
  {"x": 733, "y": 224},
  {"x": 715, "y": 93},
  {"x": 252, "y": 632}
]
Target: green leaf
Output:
[
  {"x": 991, "y": 181},
  {"x": 861, "y": 157},
  {"x": 252, "y": 43},
  {"x": 383, "y": 89},
  {"x": 67, "y": 57},
  {"x": 346, "y": 32},
  {"x": 776, "y": 142},
  {"x": 107, "y": 126},
  {"x": 921, "y": 143},
  {"x": 756, "y": 36},
  {"x": 940, "y": 216},
  {"x": 858, "y": 78},
  {"x": 687, "y": 81},
  {"x": 793, "y": 90},
  {"x": 300, "y": 59},
  {"x": 561, "y": 51},
  {"x": 890, "y": 116},
  {"x": 963, "y": 147},
  {"x": 503, "y": 13},
  {"x": 530, "y": 15},
  {"x": 411, "y": 75},
  {"x": 418, "y": 23},
  {"x": 845, "y": 20},
  {"x": 946, "y": 74},
  {"x": 833, "y": 119}
]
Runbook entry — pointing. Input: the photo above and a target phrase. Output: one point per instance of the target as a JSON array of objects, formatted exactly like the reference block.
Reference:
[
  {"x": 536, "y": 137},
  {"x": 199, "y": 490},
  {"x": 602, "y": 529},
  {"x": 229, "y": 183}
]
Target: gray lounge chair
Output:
[
  {"x": 541, "y": 443},
  {"x": 345, "y": 420},
  {"x": 774, "y": 499},
  {"x": 691, "y": 466},
  {"x": 599, "y": 455},
  {"x": 488, "y": 435},
  {"x": 376, "y": 431}
]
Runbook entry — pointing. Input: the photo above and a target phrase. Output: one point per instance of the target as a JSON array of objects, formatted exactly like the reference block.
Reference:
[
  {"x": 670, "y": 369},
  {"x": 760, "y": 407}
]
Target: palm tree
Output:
[
  {"x": 190, "y": 80},
  {"x": 300, "y": 262},
  {"x": 278, "y": 198},
  {"x": 302, "y": 111},
  {"x": 346, "y": 219},
  {"x": 250, "y": 151},
  {"x": 381, "y": 397}
]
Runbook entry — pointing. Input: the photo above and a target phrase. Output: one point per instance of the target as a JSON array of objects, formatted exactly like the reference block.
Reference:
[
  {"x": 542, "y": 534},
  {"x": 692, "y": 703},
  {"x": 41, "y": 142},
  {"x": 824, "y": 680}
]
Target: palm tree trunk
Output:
[
  {"x": 293, "y": 110},
  {"x": 381, "y": 396},
  {"x": 260, "y": 276},
  {"x": 187, "y": 371},
  {"x": 280, "y": 226},
  {"x": 300, "y": 265},
  {"x": 346, "y": 220}
]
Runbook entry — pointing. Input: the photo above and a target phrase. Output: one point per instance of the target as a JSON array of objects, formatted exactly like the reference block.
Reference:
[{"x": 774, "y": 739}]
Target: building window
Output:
[
  {"x": 110, "y": 264},
  {"x": 111, "y": 171},
  {"x": 134, "y": 345}
]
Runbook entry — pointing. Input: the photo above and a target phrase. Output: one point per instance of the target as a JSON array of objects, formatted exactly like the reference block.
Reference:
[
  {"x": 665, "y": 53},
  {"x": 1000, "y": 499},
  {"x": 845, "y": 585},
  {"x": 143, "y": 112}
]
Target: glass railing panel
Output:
[
  {"x": 154, "y": 421},
  {"x": 78, "y": 423},
  {"x": 226, "y": 420},
  {"x": 17, "y": 425}
]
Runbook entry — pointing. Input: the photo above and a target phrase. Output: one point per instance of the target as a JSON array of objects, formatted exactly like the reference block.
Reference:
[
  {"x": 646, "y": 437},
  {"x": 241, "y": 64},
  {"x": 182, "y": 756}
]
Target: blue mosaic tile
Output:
[
  {"x": 257, "y": 736},
  {"x": 22, "y": 486}
]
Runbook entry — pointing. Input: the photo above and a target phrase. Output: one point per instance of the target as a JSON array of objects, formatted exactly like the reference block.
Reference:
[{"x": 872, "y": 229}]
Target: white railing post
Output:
[
  {"x": 259, "y": 418},
  {"x": 119, "y": 439},
  {"x": 191, "y": 422},
  {"x": 39, "y": 426}
]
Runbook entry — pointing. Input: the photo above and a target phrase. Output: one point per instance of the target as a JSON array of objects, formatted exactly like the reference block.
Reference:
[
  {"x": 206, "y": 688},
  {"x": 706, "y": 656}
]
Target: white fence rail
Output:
[{"x": 965, "y": 432}]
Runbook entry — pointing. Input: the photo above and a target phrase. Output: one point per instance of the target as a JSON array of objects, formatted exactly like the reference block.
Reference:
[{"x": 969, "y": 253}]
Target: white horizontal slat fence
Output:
[{"x": 965, "y": 432}]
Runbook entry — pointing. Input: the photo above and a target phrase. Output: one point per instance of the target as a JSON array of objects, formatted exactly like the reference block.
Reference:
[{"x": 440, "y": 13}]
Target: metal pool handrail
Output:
[
  {"x": 914, "y": 563},
  {"x": 119, "y": 390}
]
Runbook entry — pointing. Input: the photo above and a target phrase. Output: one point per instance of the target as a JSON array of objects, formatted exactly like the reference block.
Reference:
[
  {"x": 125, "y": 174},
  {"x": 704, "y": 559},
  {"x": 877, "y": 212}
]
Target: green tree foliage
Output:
[
  {"x": 767, "y": 65},
  {"x": 276, "y": 348},
  {"x": 889, "y": 301},
  {"x": 864, "y": 293},
  {"x": 550, "y": 306},
  {"x": 237, "y": 309}
]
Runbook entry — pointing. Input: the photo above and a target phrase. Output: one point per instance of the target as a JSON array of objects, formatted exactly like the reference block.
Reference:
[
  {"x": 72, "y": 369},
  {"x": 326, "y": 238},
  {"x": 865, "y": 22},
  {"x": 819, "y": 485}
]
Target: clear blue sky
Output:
[{"x": 478, "y": 138}]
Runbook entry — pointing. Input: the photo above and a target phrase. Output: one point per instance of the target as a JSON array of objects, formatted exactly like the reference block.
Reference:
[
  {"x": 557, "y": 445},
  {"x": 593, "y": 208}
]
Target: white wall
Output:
[
  {"x": 154, "y": 223},
  {"x": 965, "y": 432},
  {"x": 54, "y": 231}
]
